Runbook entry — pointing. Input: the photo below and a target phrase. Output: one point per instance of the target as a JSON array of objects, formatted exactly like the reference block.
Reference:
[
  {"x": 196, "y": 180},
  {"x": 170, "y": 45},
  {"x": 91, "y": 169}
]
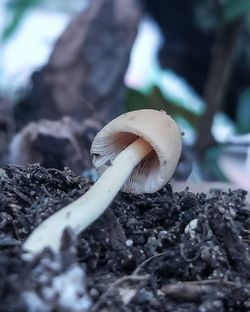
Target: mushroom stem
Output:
[{"x": 86, "y": 209}]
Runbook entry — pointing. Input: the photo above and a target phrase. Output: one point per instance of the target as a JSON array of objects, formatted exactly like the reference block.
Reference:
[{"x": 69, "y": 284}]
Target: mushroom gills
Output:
[{"x": 106, "y": 149}]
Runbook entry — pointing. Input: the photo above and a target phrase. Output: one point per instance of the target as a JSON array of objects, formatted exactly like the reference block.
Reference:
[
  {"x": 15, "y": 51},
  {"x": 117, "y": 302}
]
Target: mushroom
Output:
[{"x": 137, "y": 152}]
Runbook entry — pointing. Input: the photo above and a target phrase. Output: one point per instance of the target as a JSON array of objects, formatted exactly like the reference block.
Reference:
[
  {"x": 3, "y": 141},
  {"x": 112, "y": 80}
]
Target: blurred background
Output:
[{"x": 68, "y": 67}]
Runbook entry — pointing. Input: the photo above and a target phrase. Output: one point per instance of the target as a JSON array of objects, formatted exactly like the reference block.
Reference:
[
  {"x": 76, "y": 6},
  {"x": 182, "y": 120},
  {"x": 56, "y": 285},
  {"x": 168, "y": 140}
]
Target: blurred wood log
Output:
[
  {"x": 54, "y": 144},
  {"x": 84, "y": 75}
]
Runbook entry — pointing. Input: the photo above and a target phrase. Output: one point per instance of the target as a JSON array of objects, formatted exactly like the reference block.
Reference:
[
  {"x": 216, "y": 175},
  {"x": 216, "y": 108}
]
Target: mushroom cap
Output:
[{"x": 155, "y": 127}]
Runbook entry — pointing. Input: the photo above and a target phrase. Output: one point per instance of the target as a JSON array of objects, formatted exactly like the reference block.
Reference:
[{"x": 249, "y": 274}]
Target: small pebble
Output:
[{"x": 129, "y": 242}]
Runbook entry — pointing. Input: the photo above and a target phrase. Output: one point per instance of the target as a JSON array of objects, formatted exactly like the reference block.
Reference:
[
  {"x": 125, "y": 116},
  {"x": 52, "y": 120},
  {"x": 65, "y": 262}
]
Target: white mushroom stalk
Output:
[
  {"x": 86, "y": 209},
  {"x": 136, "y": 152}
]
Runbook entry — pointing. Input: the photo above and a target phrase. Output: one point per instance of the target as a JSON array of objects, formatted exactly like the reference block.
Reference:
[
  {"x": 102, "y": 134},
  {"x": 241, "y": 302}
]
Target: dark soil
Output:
[{"x": 161, "y": 252}]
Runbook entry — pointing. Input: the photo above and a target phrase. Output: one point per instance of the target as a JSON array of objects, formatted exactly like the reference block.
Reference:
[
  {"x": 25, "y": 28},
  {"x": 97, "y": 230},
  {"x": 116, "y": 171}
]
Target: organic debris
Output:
[{"x": 161, "y": 252}]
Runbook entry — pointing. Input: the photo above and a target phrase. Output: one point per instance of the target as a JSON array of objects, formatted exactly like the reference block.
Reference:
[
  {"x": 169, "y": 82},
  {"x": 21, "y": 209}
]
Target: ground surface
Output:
[{"x": 162, "y": 252}]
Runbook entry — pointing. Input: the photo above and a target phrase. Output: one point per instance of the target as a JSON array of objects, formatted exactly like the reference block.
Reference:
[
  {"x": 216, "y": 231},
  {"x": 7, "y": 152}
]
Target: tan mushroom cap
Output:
[{"x": 155, "y": 127}]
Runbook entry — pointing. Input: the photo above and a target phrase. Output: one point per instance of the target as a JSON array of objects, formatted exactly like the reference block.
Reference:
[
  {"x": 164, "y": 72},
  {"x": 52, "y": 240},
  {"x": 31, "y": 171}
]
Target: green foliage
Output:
[
  {"x": 234, "y": 9},
  {"x": 18, "y": 9},
  {"x": 211, "y": 163},
  {"x": 209, "y": 15},
  {"x": 136, "y": 100},
  {"x": 243, "y": 112},
  {"x": 205, "y": 15},
  {"x": 155, "y": 99}
]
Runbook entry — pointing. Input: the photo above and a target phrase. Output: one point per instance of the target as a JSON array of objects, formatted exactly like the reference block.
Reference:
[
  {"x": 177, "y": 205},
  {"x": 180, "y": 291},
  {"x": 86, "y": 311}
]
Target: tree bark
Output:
[
  {"x": 84, "y": 75},
  {"x": 217, "y": 82}
]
